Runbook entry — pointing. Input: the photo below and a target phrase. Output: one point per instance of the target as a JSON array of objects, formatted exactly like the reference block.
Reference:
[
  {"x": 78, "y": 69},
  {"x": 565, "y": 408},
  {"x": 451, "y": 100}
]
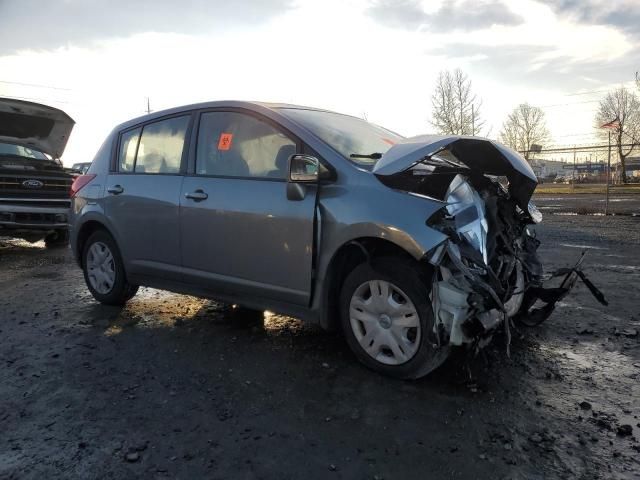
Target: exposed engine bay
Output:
[{"x": 488, "y": 273}]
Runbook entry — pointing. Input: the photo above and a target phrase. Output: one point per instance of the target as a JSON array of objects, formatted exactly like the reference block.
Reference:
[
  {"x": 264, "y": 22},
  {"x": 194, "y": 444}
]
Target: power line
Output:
[
  {"x": 588, "y": 92},
  {"x": 579, "y": 149},
  {"x": 575, "y": 135},
  {"x": 35, "y": 85},
  {"x": 568, "y": 104}
]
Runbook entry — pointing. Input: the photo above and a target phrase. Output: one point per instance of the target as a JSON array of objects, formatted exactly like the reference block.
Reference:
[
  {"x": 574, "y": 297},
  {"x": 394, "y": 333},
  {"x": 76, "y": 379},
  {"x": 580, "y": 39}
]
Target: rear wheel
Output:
[
  {"x": 387, "y": 318},
  {"x": 104, "y": 271}
]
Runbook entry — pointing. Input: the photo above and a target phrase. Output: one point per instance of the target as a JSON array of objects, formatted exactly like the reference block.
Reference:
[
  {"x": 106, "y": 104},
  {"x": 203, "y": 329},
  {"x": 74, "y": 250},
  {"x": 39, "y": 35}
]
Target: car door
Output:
[
  {"x": 144, "y": 196},
  {"x": 239, "y": 233}
]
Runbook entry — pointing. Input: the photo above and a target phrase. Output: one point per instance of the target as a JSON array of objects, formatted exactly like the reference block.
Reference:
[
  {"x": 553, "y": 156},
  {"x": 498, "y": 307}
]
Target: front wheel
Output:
[
  {"x": 104, "y": 271},
  {"x": 387, "y": 318}
]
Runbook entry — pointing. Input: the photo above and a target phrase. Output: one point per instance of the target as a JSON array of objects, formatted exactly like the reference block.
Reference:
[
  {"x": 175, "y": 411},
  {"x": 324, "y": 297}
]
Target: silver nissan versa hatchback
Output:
[{"x": 412, "y": 246}]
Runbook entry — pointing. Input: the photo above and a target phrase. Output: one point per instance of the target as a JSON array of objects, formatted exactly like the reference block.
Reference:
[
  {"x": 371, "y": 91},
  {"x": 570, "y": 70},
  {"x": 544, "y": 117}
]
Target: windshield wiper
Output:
[{"x": 373, "y": 156}]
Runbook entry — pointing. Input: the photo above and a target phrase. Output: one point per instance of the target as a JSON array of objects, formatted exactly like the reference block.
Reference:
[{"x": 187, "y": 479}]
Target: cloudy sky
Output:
[{"x": 99, "y": 60}]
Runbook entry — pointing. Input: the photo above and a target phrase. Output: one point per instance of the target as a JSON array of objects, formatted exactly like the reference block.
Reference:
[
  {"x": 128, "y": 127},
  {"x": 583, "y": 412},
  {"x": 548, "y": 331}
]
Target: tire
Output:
[
  {"x": 117, "y": 291},
  {"x": 400, "y": 329},
  {"x": 57, "y": 239}
]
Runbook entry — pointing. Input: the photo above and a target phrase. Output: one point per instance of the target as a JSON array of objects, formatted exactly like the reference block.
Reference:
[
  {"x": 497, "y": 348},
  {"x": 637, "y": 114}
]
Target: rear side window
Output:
[
  {"x": 154, "y": 148},
  {"x": 238, "y": 145},
  {"x": 128, "y": 147},
  {"x": 161, "y": 146}
]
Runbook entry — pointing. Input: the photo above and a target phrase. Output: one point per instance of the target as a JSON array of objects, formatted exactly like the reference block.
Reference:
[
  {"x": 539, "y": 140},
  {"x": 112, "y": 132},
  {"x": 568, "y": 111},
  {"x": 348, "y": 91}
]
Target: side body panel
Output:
[
  {"x": 145, "y": 217},
  {"x": 248, "y": 238}
]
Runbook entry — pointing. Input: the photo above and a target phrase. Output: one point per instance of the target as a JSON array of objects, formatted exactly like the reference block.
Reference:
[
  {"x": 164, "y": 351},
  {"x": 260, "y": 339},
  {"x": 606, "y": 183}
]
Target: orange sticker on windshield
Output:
[
  {"x": 390, "y": 142},
  {"x": 224, "y": 143}
]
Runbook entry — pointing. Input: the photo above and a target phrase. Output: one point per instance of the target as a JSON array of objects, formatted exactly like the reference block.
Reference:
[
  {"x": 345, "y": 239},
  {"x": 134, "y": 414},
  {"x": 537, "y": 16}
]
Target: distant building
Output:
[
  {"x": 632, "y": 166},
  {"x": 548, "y": 168}
]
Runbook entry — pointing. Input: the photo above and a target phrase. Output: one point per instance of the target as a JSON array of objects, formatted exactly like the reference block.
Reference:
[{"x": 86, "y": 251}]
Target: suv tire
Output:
[
  {"x": 104, "y": 271},
  {"x": 387, "y": 318},
  {"x": 56, "y": 239}
]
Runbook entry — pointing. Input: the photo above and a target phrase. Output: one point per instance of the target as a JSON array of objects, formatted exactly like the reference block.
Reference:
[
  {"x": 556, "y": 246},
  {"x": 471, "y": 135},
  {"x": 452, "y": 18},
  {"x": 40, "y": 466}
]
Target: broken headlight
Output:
[
  {"x": 534, "y": 213},
  {"x": 467, "y": 208}
]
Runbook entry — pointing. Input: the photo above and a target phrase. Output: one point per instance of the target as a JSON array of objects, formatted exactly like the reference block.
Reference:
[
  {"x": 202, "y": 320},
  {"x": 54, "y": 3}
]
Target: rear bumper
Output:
[{"x": 33, "y": 217}]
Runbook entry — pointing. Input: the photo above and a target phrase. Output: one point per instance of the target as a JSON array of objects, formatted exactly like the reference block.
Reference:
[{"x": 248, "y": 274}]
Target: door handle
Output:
[
  {"x": 198, "y": 195},
  {"x": 116, "y": 189}
]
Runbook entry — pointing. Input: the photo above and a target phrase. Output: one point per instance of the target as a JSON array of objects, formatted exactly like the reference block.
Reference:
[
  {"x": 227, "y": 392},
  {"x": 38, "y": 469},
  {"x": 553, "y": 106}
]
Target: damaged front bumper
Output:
[
  {"x": 487, "y": 273},
  {"x": 470, "y": 300}
]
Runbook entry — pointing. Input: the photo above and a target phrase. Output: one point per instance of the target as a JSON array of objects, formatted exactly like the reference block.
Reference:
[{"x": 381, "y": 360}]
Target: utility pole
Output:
[
  {"x": 609, "y": 126},
  {"x": 573, "y": 180},
  {"x": 606, "y": 198}
]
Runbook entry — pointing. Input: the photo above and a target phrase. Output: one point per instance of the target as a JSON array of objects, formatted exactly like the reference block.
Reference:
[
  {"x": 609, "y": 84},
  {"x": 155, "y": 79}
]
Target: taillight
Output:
[{"x": 80, "y": 182}]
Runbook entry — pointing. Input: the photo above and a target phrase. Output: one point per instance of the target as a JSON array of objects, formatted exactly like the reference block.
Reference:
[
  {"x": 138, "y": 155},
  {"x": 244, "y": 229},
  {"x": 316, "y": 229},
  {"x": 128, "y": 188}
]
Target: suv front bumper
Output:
[{"x": 27, "y": 217}]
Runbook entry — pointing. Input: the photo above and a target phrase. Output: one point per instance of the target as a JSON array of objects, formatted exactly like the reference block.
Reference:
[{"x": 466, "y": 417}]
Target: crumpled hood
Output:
[
  {"x": 33, "y": 125},
  {"x": 480, "y": 155}
]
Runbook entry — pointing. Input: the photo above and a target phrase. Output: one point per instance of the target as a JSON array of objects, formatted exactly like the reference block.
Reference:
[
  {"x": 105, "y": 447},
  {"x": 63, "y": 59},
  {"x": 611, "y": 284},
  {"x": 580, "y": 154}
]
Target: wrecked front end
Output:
[{"x": 488, "y": 271}]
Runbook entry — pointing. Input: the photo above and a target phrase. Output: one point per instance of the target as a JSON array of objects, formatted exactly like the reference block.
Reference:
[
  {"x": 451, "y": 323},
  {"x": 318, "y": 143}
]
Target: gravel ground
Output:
[{"x": 178, "y": 387}]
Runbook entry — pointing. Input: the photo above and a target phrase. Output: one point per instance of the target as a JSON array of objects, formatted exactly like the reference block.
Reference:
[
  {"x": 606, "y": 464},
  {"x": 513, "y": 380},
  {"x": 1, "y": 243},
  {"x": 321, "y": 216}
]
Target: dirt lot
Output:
[{"x": 177, "y": 387}]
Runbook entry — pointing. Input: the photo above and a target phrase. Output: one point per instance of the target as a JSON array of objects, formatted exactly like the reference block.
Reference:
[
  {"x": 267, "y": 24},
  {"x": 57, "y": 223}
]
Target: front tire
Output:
[
  {"x": 387, "y": 318},
  {"x": 104, "y": 271}
]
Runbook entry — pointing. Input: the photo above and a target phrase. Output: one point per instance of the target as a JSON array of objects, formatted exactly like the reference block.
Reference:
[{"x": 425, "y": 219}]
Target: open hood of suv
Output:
[
  {"x": 33, "y": 125},
  {"x": 480, "y": 155}
]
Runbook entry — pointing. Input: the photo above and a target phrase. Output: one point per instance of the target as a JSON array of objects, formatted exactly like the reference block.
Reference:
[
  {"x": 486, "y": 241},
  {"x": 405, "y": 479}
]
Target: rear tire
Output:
[
  {"x": 104, "y": 270},
  {"x": 57, "y": 239},
  {"x": 391, "y": 330}
]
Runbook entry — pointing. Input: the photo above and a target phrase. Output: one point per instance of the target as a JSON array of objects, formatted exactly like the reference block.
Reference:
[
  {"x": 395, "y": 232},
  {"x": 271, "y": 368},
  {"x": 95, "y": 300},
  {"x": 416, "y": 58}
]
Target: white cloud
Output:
[{"x": 330, "y": 54}]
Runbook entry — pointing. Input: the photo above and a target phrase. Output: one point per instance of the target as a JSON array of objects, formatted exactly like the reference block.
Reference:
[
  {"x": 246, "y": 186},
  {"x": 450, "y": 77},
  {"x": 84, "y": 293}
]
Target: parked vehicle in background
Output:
[
  {"x": 34, "y": 186},
  {"x": 82, "y": 167},
  {"x": 412, "y": 246}
]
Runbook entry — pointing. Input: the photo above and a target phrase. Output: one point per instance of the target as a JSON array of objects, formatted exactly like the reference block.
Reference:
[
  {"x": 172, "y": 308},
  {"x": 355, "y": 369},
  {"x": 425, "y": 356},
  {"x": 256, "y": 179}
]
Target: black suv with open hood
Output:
[{"x": 34, "y": 186}]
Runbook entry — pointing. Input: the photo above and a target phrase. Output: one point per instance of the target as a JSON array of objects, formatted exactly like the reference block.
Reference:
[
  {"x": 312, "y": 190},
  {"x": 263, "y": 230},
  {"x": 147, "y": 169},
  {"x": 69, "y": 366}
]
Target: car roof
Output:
[{"x": 255, "y": 106}]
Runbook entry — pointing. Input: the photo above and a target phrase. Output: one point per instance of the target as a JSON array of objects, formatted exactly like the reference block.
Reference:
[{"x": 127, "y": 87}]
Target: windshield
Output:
[
  {"x": 348, "y": 135},
  {"x": 20, "y": 151}
]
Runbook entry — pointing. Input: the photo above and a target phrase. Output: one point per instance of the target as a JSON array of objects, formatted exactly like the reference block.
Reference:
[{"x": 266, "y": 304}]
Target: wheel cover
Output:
[
  {"x": 101, "y": 268},
  {"x": 385, "y": 322}
]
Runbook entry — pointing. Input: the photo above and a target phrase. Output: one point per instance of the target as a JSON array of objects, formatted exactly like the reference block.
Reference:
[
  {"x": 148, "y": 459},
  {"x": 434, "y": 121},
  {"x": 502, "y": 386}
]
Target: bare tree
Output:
[
  {"x": 456, "y": 109},
  {"x": 620, "y": 110},
  {"x": 524, "y": 127}
]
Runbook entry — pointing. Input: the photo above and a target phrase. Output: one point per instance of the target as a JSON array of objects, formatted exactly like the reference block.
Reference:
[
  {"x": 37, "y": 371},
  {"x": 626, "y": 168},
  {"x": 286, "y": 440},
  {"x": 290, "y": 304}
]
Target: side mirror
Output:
[{"x": 303, "y": 169}]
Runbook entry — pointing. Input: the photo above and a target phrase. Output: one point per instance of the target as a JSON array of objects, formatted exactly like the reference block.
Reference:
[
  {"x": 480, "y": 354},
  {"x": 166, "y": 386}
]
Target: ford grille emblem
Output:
[{"x": 32, "y": 184}]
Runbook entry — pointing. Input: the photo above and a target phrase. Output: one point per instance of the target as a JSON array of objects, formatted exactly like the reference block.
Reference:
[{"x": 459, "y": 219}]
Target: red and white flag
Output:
[{"x": 612, "y": 124}]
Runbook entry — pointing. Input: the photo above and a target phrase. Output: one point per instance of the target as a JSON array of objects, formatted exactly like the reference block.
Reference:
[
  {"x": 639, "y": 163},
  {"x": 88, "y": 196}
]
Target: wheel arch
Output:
[
  {"x": 347, "y": 257},
  {"x": 84, "y": 232}
]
